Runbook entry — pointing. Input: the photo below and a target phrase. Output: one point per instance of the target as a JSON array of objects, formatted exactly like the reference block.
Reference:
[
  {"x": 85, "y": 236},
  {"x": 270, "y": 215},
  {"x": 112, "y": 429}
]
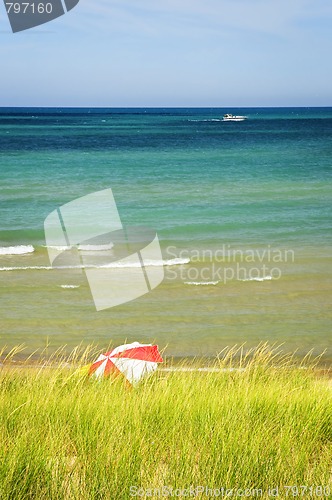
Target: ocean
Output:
[{"x": 242, "y": 211}]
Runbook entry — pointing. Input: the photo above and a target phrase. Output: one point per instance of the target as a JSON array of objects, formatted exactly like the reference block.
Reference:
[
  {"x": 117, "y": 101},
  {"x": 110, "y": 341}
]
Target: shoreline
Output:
[{"x": 232, "y": 359}]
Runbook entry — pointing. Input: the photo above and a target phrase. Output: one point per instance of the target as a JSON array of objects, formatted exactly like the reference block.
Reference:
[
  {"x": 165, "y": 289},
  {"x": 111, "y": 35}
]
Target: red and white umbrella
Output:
[{"x": 134, "y": 361}]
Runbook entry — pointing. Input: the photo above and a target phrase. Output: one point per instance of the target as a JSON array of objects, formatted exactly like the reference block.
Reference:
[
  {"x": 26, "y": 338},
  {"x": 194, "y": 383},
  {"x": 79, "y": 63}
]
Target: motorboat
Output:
[{"x": 228, "y": 117}]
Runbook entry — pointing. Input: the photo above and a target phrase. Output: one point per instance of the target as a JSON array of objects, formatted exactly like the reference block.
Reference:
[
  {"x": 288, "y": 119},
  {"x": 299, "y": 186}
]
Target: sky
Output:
[{"x": 172, "y": 53}]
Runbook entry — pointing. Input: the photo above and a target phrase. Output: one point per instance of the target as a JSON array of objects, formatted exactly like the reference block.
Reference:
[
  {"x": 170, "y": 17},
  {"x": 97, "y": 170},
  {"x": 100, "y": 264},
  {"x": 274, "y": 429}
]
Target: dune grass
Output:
[{"x": 265, "y": 425}]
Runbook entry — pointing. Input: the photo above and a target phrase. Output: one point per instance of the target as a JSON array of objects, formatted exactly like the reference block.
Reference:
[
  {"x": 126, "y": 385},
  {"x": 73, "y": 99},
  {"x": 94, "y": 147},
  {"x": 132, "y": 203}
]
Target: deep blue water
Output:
[{"x": 183, "y": 170}]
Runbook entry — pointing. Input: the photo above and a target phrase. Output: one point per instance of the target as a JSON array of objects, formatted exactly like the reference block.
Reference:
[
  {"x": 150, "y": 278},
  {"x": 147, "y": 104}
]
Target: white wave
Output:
[
  {"x": 26, "y": 268},
  {"x": 44, "y": 268},
  {"x": 93, "y": 248},
  {"x": 176, "y": 262},
  {"x": 61, "y": 248},
  {"x": 84, "y": 248},
  {"x": 69, "y": 286},
  {"x": 148, "y": 263},
  {"x": 201, "y": 283},
  {"x": 16, "y": 250},
  {"x": 117, "y": 264},
  {"x": 265, "y": 278}
]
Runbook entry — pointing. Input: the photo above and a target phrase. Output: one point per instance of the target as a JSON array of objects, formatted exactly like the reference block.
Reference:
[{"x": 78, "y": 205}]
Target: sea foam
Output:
[
  {"x": 202, "y": 283},
  {"x": 17, "y": 250},
  {"x": 265, "y": 278},
  {"x": 69, "y": 286},
  {"x": 115, "y": 265}
]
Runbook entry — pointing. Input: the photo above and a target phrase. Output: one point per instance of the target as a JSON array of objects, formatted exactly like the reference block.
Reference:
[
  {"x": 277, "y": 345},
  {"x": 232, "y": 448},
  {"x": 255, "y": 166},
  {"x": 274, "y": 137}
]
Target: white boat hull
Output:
[{"x": 233, "y": 118}]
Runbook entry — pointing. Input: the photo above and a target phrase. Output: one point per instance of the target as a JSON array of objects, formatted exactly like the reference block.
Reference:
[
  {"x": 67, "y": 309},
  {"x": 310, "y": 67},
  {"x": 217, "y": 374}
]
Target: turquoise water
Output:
[{"x": 224, "y": 198}]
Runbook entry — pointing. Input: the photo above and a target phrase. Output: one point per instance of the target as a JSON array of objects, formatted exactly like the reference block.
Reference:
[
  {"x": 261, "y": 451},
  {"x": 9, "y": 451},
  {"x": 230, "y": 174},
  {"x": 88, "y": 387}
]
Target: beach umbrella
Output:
[{"x": 133, "y": 361}]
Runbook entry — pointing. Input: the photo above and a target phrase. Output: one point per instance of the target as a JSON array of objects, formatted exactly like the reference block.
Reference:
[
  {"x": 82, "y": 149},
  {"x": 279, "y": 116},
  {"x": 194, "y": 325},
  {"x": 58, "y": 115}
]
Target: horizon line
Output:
[{"x": 161, "y": 107}]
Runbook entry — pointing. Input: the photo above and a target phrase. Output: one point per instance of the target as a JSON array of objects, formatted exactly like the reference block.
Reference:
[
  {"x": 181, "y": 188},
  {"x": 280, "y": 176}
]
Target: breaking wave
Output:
[
  {"x": 117, "y": 264},
  {"x": 265, "y": 278},
  {"x": 69, "y": 286},
  {"x": 17, "y": 250},
  {"x": 202, "y": 283}
]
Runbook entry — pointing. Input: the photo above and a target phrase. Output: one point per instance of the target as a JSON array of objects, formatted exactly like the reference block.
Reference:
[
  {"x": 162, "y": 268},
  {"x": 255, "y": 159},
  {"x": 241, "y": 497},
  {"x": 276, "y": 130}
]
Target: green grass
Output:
[{"x": 64, "y": 436}]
